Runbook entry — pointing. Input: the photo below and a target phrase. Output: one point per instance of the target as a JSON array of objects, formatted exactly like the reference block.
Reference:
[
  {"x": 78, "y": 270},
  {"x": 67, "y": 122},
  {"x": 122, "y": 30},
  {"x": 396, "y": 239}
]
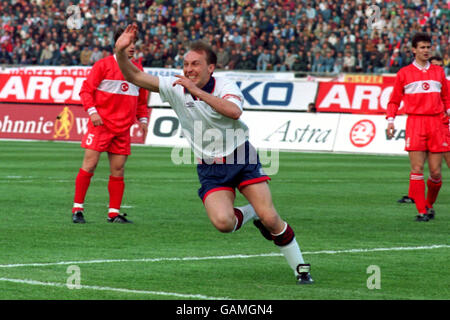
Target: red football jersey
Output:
[
  {"x": 118, "y": 102},
  {"x": 424, "y": 91}
]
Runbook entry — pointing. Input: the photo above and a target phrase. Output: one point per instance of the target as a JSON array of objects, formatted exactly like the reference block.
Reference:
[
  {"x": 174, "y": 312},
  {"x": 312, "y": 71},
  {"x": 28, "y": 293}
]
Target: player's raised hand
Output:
[{"x": 127, "y": 37}]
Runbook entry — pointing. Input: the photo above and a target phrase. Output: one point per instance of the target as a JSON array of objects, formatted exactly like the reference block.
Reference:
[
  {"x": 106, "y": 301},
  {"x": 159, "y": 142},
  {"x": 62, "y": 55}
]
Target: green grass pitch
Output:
[{"x": 342, "y": 207}]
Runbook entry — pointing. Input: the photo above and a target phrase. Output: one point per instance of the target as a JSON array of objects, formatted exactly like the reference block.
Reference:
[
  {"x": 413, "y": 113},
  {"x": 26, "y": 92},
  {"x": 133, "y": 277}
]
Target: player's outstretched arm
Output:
[{"x": 130, "y": 72}]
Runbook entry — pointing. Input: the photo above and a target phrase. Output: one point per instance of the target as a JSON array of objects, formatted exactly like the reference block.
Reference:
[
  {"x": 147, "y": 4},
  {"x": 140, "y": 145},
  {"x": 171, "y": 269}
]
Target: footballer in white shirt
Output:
[{"x": 213, "y": 106}]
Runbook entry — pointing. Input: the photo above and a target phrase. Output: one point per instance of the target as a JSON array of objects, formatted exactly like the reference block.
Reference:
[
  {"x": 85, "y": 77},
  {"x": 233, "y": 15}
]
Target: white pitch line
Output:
[
  {"x": 39, "y": 264},
  {"x": 237, "y": 256},
  {"x": 122, "y": 290},
  {"x": 434, "y": 246}
]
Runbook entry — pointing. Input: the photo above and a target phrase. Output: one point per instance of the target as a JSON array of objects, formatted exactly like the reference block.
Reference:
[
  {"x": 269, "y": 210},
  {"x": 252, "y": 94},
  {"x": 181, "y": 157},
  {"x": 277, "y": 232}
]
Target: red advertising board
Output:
[
  {"x": 368, "y": 97},
  {"x": 347, "y": 97},
  {"x": 46, "y": 89},
  {"x": 48, "y": 122}
]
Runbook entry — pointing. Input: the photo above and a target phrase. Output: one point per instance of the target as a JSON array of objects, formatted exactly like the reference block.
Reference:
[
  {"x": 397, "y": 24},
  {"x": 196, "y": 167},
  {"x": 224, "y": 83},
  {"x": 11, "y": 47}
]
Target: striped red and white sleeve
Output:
[
  {"x": 89, "y": 86},
  {"x": 396, "y": 96}
]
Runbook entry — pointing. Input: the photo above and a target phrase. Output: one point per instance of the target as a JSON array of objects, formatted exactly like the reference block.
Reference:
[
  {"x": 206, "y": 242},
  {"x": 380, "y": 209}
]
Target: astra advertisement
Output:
[{"x": 297, "y": 132}]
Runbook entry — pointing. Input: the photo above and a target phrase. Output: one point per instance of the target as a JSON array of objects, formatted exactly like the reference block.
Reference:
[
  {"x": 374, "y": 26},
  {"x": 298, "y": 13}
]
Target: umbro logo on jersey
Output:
[
  {"x": 425, "y": 86},
  {"x": 190, "y": 104},
  {"x": 124, "y": 86}
]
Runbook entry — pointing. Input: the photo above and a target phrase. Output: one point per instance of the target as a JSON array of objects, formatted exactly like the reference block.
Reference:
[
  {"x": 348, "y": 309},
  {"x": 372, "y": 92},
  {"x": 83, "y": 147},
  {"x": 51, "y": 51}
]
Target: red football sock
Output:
[
  {"x": 116, "y": 186},
  {"x": 285, "y": 237},
  {"x": 417, "y": 189},
  {"x": 239, "y": 219},
  {"x": 433, "y": 189},
  {"x": 409, "y": 192},
  {"x": 82, "y": 183}
]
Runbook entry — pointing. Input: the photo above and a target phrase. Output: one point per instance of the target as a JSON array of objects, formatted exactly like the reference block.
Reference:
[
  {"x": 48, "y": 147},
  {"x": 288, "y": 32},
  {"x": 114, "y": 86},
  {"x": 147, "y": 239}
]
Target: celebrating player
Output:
[
  {"x": 113, "y": 105},
  {"x": 213, "y": 106},
  {"x": 423, "y": 87}
]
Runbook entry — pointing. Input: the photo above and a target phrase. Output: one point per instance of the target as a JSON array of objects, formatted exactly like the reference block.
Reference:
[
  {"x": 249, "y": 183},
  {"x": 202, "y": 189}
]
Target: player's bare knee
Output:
[
  {"x": 89, "y": 167},
  {"x": 117, "y": 172},
  {"x": 223, "y": 224},
  {"x": 223, "y": 227},
  {"x": 270, "y": 220},
  {"x": 418, "y": 169},
  {"x": 435, "y": 174}
]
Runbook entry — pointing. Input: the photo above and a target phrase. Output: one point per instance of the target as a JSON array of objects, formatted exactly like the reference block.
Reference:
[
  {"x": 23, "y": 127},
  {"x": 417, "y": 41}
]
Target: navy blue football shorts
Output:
[{"x": 237, "y": 170}]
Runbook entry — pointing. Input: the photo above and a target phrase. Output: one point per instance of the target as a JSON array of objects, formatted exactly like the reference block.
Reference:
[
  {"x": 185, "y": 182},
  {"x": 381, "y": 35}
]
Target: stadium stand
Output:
[{"x": 282, "y": 35}]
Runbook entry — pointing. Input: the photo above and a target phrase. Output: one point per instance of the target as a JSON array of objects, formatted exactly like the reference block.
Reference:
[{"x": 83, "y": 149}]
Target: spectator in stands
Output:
[
  {"x": 338, "y": 63},
  {"x": 245, "y": 63},
  {"x": 234, "y": 59},
  {"x": 328, "y": 63},
  {"x": 312, "y": 107},
  {"x": 5, "y": 57},
  {"x": 46, "y": 55},
  {"x": 300, "y": 63},
  {"x": 65, "y": 58},
  {"x": 395, "y": 67},
  {"x": 24, "y": 59},
  {"x": 157, "y": 61},
  {"x": 96, "y": 55},
  {"x": 372, "y": 63},
  {"x": 383, "y": 64},
  {"x": 279, "y": 61},
  {"x": 349, "y": 62},
  {"x": 318, "y": 63},
  {"x": 446, "y": 64},
  {"x": 359, "y": 64},
  {"x": 300, "y": 26},
  {"x": 85, "y": 56},
  {"x": 263, "y": 62},
  {"x": 34, "y": 55},
  {"x": 178, "y": 60},
  {"x": 253, "y": 57},
  {"x": 289, "y": 60},
  {"x": 223, "y": 58}
]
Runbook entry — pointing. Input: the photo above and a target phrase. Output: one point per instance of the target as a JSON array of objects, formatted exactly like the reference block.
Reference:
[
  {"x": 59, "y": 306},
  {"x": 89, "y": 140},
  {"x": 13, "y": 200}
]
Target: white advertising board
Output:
[
  {"x": 367, "y": 134},
  {"x": 164, "y": 129},
  {"x": 268, "y": 95},
  {"x": 268, "y": 130},
  {"x": 291, "y": 131}
]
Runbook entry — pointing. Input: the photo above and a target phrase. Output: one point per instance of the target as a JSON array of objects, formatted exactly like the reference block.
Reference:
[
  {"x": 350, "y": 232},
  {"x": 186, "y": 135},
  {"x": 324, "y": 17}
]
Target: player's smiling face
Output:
[{"x": 196, "y": 68}]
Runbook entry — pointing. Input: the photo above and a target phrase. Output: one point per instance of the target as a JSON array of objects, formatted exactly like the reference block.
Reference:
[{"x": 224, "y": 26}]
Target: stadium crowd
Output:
[{"x": 280, "y": 35}]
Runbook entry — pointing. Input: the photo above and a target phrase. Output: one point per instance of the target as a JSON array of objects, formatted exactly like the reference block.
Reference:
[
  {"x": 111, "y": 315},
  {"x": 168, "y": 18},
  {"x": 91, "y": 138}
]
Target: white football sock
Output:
[
  {"x": 248, "y": 212},
  {"x": 292, "y": 254}
]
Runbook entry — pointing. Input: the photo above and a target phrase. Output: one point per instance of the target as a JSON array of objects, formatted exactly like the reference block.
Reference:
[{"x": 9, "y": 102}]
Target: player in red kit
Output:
[
  {"x": 439, "y": 62},
  {"x": 436, "y": 60},
  {"x": 113, "y": 105},
  {"x": 423, "y": 88}
]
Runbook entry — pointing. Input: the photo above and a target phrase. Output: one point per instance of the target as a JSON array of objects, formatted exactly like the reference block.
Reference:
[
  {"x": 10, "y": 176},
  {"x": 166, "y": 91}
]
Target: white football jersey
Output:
[{"x": 209, "y": 133}]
